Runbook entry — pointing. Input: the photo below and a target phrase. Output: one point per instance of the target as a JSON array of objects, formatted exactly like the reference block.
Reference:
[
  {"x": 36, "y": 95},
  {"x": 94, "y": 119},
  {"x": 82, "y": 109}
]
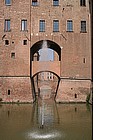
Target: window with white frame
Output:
[
  {"x": 7, "y": 25},
  {"x": 55, "y": 25},
  {"x": 42, "y": 25},
  {"x": 23, "y": 25},
  {"x": 7, "y": 2},
  {"x": 69, "y": 25}
]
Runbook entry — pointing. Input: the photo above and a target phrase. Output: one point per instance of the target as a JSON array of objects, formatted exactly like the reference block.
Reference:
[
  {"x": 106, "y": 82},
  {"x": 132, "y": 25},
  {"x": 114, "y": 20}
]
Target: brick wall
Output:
[
  {"x": 19, "y": 89},
  {"x": 75, "y": 46},
  {"x": 73, "y": 90}
]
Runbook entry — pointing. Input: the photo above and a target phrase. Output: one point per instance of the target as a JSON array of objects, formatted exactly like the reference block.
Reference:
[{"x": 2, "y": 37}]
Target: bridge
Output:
[{"x": 52, "y": 66}]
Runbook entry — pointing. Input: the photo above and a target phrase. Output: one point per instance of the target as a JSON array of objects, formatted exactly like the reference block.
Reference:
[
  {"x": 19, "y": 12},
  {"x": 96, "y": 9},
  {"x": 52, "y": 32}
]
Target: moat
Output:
[{"x": 45, "y": 120}]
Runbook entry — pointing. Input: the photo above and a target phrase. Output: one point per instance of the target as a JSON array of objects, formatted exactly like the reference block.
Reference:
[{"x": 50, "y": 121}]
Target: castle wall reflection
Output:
[{"x": 45, "y": 120}]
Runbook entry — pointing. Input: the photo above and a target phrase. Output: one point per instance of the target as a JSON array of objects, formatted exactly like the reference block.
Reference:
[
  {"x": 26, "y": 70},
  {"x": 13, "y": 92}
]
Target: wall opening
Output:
[
  {"x": 47, "y": 81},
  {"x": 46, "y": 54},
  {"x": 84, "y": 60},
  {"x": 75, "y": 95},
  {"x": 48, "y": 48},
  {"x": 9, "y": 92},
  {"x": 6, "y": 42},
  {"x": 13, "y": 55},
  {"x": 45, "y": 77},
  {"x": 24, "y": 42}
]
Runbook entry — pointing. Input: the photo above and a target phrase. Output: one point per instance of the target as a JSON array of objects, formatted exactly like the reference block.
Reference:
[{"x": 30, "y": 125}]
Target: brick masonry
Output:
[
  {"x": 19, "y": 89},
  {"x": 73, "y": 90},
  {"x": 75, "y": 47}
]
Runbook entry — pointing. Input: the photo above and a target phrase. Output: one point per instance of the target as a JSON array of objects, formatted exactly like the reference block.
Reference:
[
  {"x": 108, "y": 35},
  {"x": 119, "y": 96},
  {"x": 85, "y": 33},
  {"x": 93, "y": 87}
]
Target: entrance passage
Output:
[
  {"x": 45, "y": 68},
  {"x": 45, "y": 84}
]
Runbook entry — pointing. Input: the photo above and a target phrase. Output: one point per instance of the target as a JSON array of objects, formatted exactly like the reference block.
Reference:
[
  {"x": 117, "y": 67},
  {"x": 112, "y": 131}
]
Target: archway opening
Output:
[
  {"x": 44, "y": 76},
  {"x": 45, "y": 84},
  {"x": 46, "y": 47}
]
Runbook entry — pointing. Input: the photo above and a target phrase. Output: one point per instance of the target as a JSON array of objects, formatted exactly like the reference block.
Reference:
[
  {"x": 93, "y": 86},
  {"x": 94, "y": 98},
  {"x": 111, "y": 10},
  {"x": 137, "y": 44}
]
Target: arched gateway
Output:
[
  {"x": 37, "y": 66},
  {"x": 50, "y": 68}
]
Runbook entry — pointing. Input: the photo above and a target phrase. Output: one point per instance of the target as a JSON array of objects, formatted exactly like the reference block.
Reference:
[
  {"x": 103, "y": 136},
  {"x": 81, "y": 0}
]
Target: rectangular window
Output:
[
  {"x": 56, "y": 26},
  {"x": 82, "y": 2},
  {"x": 69, "y": 25},
  {"x": 42, "y": 25},
  {"x": 24, "y": 42},
  {"x": 7, "y": 2},
  {"x": 55, "y": 2},
  {"x": 34, "y": 2},
  {"x": 24, "y": 25},
  {"x": 13, "y": 55},
  {"x": 83, "y": 26},
  {"x": 7, "y": 25}
]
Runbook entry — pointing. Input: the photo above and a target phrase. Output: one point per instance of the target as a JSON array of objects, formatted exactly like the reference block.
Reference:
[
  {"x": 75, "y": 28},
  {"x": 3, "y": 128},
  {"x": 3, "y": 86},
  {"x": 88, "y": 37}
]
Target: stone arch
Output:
[
  {"x": 36, "y": 85},
  {"x": 37, "y": 66},
  {"x": 52, "y": 45},
  {"x": 46, "y": 71}
]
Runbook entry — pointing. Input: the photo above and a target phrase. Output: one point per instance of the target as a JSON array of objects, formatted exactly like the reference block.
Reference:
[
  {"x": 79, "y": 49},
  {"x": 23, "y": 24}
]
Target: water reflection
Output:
[
  {"x": 43, "y": 136},
  {"x": 45, "y": 114},
  {"x": 45, "y": 120}
]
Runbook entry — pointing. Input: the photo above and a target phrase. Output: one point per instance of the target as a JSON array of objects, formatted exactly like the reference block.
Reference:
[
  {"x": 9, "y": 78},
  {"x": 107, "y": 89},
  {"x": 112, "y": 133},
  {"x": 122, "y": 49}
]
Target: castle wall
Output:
[
  {"x": 71, "y": 90},
  {"x": 15, "y": 89},
  {"x": 75, "y": 46}
]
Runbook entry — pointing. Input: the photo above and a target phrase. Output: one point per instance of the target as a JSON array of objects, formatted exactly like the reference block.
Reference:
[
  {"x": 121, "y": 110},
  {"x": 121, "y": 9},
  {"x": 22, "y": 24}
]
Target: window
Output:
[
  {"x": 83, "y": 26},
  {"x": 56, "y": 26},
  {"x": 82, "y": 2},
  {"x": 6, "y": 42},
  {"x": 49, "y": 76},
  {"x": 13, "y": 55},
  {"x": 69, "y": 25},
  {"x": 8, "y": 92},
  {"x": 23, "y": 25},
  {"x": 55, "y": 2},
  {"x": 7, "y": 2},
  {"x": 24, "y": 42},
  {"x": 34, "y": 3},
  {"x": 42, "y": 26},
  {"x": 84, "y": 60},
  {"x": 7, "y": 25}
]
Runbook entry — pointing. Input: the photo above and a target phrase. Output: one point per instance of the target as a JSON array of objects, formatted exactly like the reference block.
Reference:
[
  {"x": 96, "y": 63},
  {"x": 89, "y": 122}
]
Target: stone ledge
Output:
[{"x": 71, "y": 102}]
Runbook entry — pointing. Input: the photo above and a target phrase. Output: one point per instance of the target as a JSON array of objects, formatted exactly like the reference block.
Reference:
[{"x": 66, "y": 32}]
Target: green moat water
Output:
[{"x": 45, "y": 120}]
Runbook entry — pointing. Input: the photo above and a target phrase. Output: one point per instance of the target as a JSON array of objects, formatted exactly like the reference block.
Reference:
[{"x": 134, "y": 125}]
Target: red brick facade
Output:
[{"x": 15, "y": 46}]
